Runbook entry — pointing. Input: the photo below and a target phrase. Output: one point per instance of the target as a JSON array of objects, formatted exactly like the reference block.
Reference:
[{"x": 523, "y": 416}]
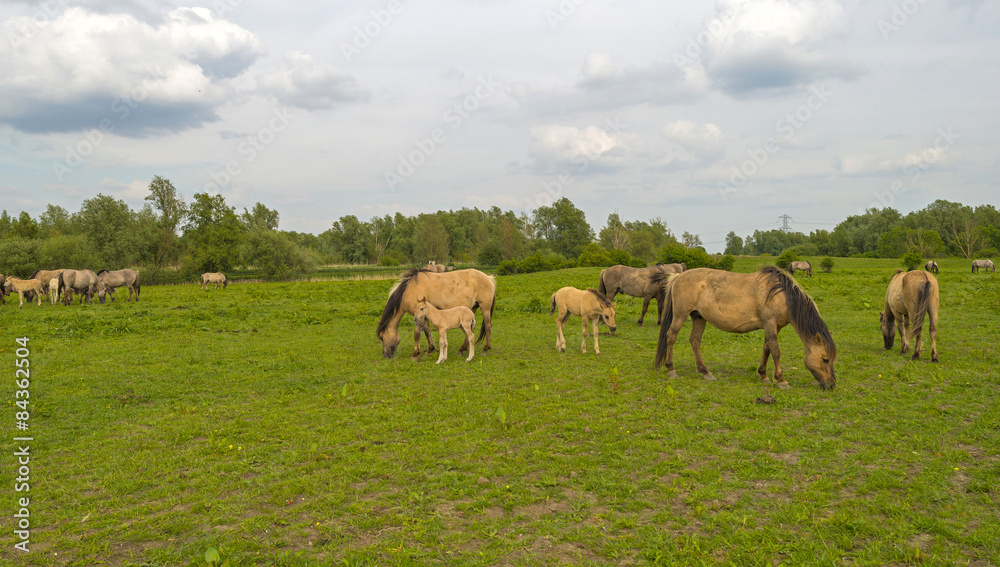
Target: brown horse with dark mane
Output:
[
  {"x": 767, "y": 299},
  {"x": 909, "y": 298},
  {"x": 470, "y": 288},
  {"x": 637, "y": 282}
]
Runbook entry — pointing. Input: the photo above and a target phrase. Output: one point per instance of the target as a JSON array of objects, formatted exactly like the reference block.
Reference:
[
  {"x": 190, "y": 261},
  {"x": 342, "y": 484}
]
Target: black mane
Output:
[
  {"x": 396, "y": 299},
  {"x": 801, "y": 308},
  {"x": 605, "y": 302}
]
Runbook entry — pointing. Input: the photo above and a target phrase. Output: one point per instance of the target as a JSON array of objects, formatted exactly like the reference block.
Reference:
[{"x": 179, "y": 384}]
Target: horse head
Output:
[
  {"x": 608, "y": 317},
  {"x": 888, "y": 329},
  {"x": 390, "y": 340},
  {"x": 820, "y": 355}
]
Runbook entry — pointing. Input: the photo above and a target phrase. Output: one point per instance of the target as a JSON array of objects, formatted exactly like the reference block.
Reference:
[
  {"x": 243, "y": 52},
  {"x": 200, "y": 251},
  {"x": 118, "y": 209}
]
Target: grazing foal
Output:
[
  {"x": 590, "y": 305},
  {"x": 444, "y": 319}
]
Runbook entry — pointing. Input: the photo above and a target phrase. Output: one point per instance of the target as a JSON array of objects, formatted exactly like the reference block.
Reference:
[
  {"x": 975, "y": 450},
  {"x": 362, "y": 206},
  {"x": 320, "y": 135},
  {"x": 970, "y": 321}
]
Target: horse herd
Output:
[
  {"x": 768, "y": 299},
  {"x": 60, "y": 285}
]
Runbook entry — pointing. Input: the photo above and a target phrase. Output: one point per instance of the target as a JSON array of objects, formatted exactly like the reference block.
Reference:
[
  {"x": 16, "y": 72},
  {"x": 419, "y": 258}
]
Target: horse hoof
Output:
[
  {"x": 784, "y": 386},
  {"x": 708, "y": 376},
  {"x": 672, "y": 374}
]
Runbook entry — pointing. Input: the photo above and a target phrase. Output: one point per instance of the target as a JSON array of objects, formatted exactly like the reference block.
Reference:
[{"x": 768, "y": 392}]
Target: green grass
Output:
[{"x": 262, "y": 421}]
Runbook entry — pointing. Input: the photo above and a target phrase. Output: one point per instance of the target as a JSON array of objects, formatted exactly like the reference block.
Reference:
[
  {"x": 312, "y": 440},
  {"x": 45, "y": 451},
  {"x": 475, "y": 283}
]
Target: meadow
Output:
[{"x": 259, "y": 425}]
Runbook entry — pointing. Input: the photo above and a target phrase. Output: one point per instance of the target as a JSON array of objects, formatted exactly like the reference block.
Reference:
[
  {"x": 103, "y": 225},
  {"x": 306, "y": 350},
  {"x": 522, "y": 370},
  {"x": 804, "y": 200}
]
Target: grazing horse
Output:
[
  {"x": 433, "y": 266},
  {"x": 118, "y": 278},
  {"x": 13, "y": 284},
  {"x": 84, "y": 281},
  {"x": 216, "y": 278},
  {"x": 460, "y": 317},
  {"x": 985, "y": 264},
  {"x": 470, "y": 288},
  {"x": 637, "y": 282},
  {"x": 910, "y": 296},
  {"x": 590, "y": 305},
  {"x": 931, "y": 266},
  {"x": 767, "y": 299},
  {"x": 802, "y": 266},
  {"x": 46, "y": 277}
]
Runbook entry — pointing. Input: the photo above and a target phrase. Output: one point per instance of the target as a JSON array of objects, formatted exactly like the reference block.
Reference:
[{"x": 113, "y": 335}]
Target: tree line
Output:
[
  {"x": 171, "y": 239},
  {"x": 941, "y": 229}
]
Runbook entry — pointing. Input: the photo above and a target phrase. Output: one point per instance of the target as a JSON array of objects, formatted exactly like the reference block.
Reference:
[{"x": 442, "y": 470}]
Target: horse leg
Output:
[
  {"x": 697, "y": 329},
  {"x": 917, "y": 341},
  {"x": 583, "y": 345},
  {"x": 443, "y": 341},
  {"x": 560, "y": 337},
  {"x": 771, "y": 338},
  {"x": 672, "y": 331},
  {"x": 488, "y": 325},
  {"x": 597, "y": 349},
  {"x": 430, "y": 341},
  {"x": 470, "y": 337},
  {"x": 416, "y": 339},
  {"x": 904, "y": 332},
  {"x": 642, "y": 314},
  {"x": 762, "y": 369}
]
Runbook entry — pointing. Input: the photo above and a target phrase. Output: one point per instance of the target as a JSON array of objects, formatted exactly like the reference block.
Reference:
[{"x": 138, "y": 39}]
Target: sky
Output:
[{"x": 712, "y": 116}]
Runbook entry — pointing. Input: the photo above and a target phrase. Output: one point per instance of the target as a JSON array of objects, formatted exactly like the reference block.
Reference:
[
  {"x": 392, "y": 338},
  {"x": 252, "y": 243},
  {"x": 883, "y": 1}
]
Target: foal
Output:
[
  {"x": 590, "y": 305},
  {"x": 444, "y": 319},
  {"x": 23, "y": 286}
]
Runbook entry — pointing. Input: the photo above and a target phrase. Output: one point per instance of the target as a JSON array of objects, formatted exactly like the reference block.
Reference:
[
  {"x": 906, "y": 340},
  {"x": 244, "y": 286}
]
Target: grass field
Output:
[{"x": 261, "y": 422}]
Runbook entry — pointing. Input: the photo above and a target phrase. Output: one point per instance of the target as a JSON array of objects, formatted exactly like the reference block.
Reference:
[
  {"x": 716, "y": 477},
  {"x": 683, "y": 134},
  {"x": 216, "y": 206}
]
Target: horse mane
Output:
[
  {"x": 396, "y": 299},
  {"x": 658, "y": 277},
  {"x": 101, "y": 272},
  {"x": 605, "y": 302},
  {"x": 801, "y": 308}
]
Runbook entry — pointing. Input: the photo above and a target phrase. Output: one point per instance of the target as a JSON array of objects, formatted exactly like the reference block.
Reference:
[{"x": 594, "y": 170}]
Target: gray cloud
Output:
[{"x": 304, "y": 83}]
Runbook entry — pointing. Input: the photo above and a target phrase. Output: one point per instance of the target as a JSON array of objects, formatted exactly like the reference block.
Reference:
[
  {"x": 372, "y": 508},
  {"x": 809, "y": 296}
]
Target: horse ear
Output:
[{"x": 819, "y": 339}]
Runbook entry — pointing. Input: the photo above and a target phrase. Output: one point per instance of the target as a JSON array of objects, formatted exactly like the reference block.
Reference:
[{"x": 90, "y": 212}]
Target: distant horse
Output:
[
  {"x": 985, "y": 264},
  {"x": 54, "y": 290},
  {"x": 470, "y": 288},
  {"x": 433, "y": 266},
  {"x": 672, "y": 268},
  {"x": 802, "y": 266},
  {"x": 768, "y": 299},
  {"x": 931, "y": 266},
  {"x": 3, "y": 291},
  {"x": 22, "y": 287},
  {"x": 910, "y": 296},
  {"x": 637, "y": 282},
  {"x": 216, "y": 278},
  {"x": 84, "y": 281},
  {"x": 590, "y": 305},
  {"x": 45, "y": 276},
  {"x": 118, "y": 278},
  {"x": 460, "y": 317}
]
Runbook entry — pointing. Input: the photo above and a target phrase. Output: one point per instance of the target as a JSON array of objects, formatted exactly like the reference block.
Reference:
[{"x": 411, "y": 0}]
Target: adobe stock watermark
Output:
[
  {"x": 120, "y": 110},
  {"x": 46, "y": 12},
  {"x": 555, "y": 188},
  {"x": 901, "y": 15},
  {"x": 249, "y": 149},
  {"x": 788, "y": 125},
  {"x": 454, "y": 117},
  {"x": 562, "y": 12},
  {"x": 714, "y": 29},
  {"x": 366, "y": 34},
  {"x": 914, "y": 170}
]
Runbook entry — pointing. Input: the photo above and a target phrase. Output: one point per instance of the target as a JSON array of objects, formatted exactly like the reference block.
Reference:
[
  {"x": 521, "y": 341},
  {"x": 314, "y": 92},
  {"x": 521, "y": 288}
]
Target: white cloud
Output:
[
  {"x": 79, "y": 68},
  {"x": 556, "y": 147},
  {"x": 308, "y": 84}
]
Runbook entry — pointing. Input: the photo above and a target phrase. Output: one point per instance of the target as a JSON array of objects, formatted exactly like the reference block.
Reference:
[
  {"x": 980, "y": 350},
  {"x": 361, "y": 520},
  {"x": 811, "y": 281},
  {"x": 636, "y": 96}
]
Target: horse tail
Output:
[
  {"x": 62, "y": 285},
  {"x": 664, "y": 298},
  {"x": 923, "y": 306},
  {"x": 482, "y": 329},
  {"x": 552, "y": 308},
  {"x": 601, "y": 286}
]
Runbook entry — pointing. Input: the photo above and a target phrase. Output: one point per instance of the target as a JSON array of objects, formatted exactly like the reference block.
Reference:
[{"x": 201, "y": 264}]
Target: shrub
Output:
[
  {"x": 786, "y": 258},
  {"x": 726, "y": 262},
  {"x": 490, "y": 255},
  {"x": 18, "y": 256},
  {"x": 912, "y": 259},
  {"x": 826, "y": 264},
  {"x": 594, "y": 255}
]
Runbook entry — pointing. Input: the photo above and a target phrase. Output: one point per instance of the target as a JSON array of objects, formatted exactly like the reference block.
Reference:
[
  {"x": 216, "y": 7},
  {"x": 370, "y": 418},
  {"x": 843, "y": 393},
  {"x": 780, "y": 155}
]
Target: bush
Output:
[
  {"x": 594, "y": 255},
  {"x": 912, "y": 259},
  {"x": 726, "y": 262},
  {"x": 692, "y": 257},
  {"x": 826, "y": 264},
  {"x": 387, "y": 260},
  {"x": 18, "y": 256},
  {"x": 786, "y": 258}
]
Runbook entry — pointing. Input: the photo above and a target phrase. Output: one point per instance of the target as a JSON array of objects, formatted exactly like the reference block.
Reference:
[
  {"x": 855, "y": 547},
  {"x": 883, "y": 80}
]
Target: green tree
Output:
[
  {"x": 430, "y": 239},
  {"x": 260, "y": 217},
  {"x": 170, "y": 206},
  {"x": 54, "y": 221},
  {"x": 564, "y": 227},
  {"x": 350, "y": 239},
  {"x": 24, "y": 226},
  {"x": 110, "y": 226},
  {"x": 734, "y": 244},
  {"x": 213, "y": 234}
]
